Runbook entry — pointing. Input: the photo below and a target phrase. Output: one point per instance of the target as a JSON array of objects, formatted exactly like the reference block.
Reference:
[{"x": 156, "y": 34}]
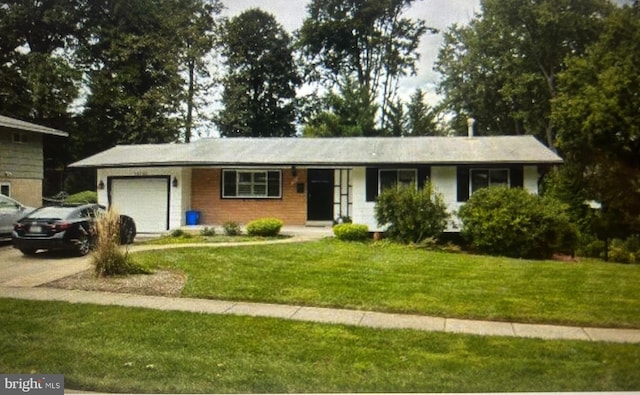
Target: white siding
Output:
[
  {"x": 363, "y": 211},
  {"x": 444, "y": 179}
]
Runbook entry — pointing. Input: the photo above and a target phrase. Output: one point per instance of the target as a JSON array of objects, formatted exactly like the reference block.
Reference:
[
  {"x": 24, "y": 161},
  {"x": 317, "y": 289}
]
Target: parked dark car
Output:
[{"x": 65, "y": 228}]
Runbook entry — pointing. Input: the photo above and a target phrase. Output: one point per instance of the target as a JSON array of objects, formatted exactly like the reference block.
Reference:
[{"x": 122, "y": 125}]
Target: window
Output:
[
  {"x": 19, "y": 137},
  {"x": 390, "y": 178},
  {"x": 5, "y": 189},
  {"x": 483, "y": 178},
  {"x": 251, "y": 184}
]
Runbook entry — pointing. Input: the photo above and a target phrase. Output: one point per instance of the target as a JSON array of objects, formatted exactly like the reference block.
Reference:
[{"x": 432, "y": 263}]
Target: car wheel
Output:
[
  {"x": 127, "y": 230},
  {"x": 84, "y": 245},
  {"x": 28, "y": 251}
]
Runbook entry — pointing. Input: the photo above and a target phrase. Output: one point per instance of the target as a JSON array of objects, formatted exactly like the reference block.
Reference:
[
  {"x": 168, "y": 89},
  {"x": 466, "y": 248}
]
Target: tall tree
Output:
[
  {"x": 37, "y": 79},
  {"x": 596, "y": 111},
  {"x": 132, "y": 60},
  {"x": 366, "y": 41},
  {"x": 348, "y": 113},
  {"x": 261, "y": 78},
  {"x": 421, "y": 117},
  {"x": 195, "y": 24},
  {"x": 502, "y": 68}
]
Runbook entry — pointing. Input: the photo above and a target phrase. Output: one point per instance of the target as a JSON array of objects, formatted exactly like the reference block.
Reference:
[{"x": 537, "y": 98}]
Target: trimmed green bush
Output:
[
  {"x": 512, "y": 222},
  {"x": 265, "y": 227},
  {"x": 411, "y": 215},
  {"x": 351, "y": 232},
  {"x": 82, "y": 198}
]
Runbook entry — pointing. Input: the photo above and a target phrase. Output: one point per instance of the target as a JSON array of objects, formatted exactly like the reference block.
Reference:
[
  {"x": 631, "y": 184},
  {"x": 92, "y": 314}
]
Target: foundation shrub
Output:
[
  {"x": 231, "y": 228},
  {"x": 351, "y": 232},
  {"x": 265, "y": 227},
  {"x": 512, "y": 222},
  {"x": 411, "y": 215}
]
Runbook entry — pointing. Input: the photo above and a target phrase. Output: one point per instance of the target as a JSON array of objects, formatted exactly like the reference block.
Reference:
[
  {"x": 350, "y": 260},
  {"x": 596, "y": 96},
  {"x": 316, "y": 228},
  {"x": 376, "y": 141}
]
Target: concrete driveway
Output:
[{"x": 18, "y": 270}]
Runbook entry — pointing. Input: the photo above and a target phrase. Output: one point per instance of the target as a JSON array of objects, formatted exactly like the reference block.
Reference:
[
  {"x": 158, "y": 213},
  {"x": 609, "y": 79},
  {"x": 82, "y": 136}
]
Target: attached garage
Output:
[{"x": 145, "y": 199}]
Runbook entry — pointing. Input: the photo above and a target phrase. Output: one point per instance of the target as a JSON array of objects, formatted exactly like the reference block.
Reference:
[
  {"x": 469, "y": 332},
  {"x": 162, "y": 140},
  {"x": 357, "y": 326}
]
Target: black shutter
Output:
[
  {"x": 371, "y": 184},
  {"x": 463, "y": 183},
  {"x": 228, "y": 183},
  {"x": 517, "y": 176},
  {"x": 273, "y": 183},
  {"x": 424, "y": 173}
]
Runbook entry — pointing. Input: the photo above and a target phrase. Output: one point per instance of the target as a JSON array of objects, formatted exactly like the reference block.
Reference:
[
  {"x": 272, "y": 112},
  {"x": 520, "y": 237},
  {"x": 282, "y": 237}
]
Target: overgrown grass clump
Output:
[{"x": 108, "y": 258}]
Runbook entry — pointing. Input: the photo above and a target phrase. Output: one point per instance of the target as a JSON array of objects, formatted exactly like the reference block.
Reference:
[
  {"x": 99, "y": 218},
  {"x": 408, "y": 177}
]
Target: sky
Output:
[{"x": 438, "y": 14}]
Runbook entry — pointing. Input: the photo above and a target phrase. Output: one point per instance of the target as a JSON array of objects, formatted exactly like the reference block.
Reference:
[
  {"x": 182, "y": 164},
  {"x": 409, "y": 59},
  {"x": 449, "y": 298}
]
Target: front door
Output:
[{"x": 320, "y": 195}]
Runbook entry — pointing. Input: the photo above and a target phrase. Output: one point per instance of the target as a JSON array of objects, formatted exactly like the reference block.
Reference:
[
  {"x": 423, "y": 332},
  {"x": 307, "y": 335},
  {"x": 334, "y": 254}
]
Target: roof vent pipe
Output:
[{"x": 470, "y": 123}]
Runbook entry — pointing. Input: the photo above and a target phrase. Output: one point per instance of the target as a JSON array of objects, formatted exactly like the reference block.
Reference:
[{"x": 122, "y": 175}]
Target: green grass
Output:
[
  {"x": 116, "y": 349},
  {"x": 395, "y": 278}
]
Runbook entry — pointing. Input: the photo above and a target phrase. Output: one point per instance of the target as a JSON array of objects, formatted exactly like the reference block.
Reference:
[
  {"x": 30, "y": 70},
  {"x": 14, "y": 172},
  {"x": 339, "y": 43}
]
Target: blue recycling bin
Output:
[{"x": 193, "y": 217}]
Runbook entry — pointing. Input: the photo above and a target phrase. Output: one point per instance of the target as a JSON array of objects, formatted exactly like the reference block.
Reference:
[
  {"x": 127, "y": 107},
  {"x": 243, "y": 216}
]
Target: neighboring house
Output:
[
  {"x": 304, "y": 181},
  {"x": 21, "y": 159}
]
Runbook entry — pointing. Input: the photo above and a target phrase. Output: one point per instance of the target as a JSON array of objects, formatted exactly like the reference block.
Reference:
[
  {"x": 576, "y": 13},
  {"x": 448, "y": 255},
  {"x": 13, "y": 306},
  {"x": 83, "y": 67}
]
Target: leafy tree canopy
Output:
[
  {"x": 368, "y": 43},
  {"x": 261, "y": 78},
  {"x": 502, "y": 68},
  {"x": 596, "y": 111}
]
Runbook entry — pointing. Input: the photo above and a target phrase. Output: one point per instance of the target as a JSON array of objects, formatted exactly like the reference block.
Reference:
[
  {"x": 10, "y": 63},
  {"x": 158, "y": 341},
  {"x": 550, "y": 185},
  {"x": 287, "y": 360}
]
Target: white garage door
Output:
[{"x": 146, "y": 200}]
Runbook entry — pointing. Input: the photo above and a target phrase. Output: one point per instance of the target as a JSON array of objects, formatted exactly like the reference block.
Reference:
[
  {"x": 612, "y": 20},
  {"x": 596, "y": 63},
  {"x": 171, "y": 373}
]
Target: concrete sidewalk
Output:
[{"x": 331, "y": 316}]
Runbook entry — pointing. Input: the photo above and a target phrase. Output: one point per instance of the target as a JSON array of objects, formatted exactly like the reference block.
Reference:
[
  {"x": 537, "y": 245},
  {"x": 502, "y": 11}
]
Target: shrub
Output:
[
  {"x": 177, "y": 233},
  {"x": 411, "y": 215},
  {"x": 82, "y": 198},
  {"x": 351, "y": 232},
  {"x": 265, "y": 227},
  {"x": 515, "y": 223},
  {"x": 231, "y": 228},
  {"x": 625, "y": 251},
  {"x": 208, "y": 232},
  {"x": 107, "y": 257}
]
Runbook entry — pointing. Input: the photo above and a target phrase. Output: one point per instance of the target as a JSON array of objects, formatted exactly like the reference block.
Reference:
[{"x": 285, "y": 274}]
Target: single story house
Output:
[
  {"x": 304, "y": 181},
  {"x": 22, "y": 160}
]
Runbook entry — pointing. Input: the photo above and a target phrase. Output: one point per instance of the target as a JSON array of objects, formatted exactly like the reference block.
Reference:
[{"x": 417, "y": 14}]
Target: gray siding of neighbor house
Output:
[{"x": 21, "y": 159}]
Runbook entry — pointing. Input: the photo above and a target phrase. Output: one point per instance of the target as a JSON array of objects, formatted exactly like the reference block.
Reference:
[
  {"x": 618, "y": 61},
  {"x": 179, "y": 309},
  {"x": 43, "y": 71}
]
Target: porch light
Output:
[
  {"x": 101, "y": 185},
  {"x": 174, "y": 182},
  {"x": 294, "y": 171}
]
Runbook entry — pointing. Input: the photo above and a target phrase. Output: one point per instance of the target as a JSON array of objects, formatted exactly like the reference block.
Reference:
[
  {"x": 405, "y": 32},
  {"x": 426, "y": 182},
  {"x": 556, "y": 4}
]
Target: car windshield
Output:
[{"x": 53, "y": 213}]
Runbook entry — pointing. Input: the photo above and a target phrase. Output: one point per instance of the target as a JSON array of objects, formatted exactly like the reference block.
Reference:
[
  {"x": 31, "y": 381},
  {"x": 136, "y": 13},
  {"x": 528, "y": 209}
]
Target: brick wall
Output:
[
  {"x": 26, "y": 190},
  {"x": 206, "y": 198}
]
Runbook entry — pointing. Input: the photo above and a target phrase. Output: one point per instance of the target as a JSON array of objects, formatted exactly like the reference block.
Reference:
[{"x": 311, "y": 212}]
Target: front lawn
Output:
[
  {"x": 116, "y": 349},
  {"x": 394, "y": 278}
]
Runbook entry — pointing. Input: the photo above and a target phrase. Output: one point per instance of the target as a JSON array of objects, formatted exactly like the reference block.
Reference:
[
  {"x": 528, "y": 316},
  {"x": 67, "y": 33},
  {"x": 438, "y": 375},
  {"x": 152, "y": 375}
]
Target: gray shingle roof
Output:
[
  {"x": 327, "y": 152},
  {"x": 17, "y": 124}
]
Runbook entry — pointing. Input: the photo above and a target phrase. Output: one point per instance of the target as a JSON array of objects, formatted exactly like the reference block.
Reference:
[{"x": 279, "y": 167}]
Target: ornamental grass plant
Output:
[{"x": 108, "y": 258}]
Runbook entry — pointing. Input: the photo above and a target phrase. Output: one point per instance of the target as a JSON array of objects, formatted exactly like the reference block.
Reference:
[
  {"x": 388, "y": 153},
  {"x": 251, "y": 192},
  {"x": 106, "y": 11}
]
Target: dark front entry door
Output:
[{"x": 320, "y": 195}]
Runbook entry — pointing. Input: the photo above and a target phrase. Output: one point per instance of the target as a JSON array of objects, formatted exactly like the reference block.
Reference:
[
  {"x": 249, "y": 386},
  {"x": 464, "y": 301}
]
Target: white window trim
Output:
[
  {"x": 414, "y": 171},
  {"x": 253, "y": 172},
  {"x": 488, "y": 169}
]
